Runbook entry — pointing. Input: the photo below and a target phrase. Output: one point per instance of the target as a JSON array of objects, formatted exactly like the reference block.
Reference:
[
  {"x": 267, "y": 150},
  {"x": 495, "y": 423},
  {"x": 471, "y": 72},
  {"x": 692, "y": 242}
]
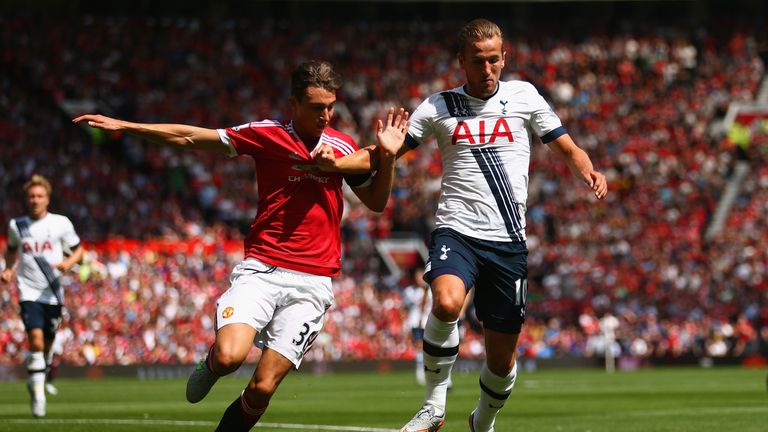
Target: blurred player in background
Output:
[
  {"x": 45, "y": 246},
  {"x": 484, "y": 132},
  {"x": 280, "y": 292},
  {"x": 417, "y": 299},
  {"x": 52, "y": 359}
]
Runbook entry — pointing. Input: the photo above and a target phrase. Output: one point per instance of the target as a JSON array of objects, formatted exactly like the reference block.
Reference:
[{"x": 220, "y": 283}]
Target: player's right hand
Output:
[
  {"x": 391, "y": 135},
  {"x": 598, "y": 184},
  {"x": 7, "y": 275},
  {"x": 101, "y": 122}
]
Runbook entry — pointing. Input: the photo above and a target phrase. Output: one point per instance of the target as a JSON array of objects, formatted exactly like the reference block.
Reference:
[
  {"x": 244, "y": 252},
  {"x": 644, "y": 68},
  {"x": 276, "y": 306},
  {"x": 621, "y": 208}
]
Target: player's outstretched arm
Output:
[
  {"x": 580, "y": 164},
  {"x": 391, "y": 137},
  {"x": 182, "y": 136}
]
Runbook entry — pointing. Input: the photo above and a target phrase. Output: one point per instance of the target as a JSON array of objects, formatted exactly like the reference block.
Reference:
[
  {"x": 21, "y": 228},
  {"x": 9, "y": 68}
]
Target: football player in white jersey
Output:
[
  {"x": 47, "y": 246},
  {"x": 484, "y": 132}
]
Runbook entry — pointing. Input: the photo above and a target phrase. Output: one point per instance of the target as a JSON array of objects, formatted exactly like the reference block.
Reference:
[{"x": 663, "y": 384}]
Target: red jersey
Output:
[{"x": 299, "y": 213}]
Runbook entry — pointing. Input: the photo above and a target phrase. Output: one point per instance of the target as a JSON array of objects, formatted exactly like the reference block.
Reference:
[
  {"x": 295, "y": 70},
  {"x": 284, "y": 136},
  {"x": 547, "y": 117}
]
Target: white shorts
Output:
[{"x": 286, "y": 307}]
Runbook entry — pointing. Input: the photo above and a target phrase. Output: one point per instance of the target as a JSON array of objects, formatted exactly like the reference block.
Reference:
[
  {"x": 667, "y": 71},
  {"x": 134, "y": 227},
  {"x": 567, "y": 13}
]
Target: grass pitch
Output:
[{"x": 675, "y": 399}]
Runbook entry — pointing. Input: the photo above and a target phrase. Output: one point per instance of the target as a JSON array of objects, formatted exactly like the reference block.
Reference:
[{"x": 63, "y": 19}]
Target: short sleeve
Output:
[
  {"x": 69, "y": 237},
  {"x": 249, "y": 138},
  {"x": 14, "y": 240},
  {"x": 421, "y": 123},
  {"x": 544, "y": 122}
]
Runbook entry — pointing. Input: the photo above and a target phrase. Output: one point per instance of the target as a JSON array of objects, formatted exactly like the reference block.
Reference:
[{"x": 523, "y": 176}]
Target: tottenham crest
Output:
[{"x": 444, "y": 255}]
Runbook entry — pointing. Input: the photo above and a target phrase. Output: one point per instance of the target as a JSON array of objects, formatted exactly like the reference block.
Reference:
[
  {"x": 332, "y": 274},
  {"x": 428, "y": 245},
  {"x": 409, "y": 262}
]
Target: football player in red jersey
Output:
[{"x": 280, "y": 292}]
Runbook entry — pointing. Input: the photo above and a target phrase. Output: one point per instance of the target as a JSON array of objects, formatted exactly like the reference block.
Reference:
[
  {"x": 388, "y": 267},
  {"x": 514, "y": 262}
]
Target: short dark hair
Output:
[
  {"x": 314, "y": 73},
  {"x": 477, "y": 30}
]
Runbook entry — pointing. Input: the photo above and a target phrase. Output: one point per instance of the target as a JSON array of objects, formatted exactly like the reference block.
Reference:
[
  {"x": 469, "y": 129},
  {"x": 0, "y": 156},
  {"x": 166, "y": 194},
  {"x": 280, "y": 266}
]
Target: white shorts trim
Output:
[{"x": 286, "y": 307}]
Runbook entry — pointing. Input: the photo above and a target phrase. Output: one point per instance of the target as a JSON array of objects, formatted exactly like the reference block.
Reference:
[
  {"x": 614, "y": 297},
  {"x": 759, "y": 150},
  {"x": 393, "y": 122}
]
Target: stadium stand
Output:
[{"x": 641, "y": 98}]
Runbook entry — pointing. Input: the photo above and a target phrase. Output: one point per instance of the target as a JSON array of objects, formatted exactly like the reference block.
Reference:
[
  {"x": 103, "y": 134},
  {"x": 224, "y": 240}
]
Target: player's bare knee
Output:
[
  {"x": 36, "y": 340},
  {"x": 447, "y": 308},
  {"x": 263, "y": 388},
  {"x": 227, "y": 361}
]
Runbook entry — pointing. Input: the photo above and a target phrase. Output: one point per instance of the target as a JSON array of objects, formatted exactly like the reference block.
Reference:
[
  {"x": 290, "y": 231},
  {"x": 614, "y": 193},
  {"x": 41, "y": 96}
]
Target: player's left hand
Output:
[
  {"x": 598, "y": 184},
  {"x": 391, "y": 135},
  {"x": 63, "y": 267}
]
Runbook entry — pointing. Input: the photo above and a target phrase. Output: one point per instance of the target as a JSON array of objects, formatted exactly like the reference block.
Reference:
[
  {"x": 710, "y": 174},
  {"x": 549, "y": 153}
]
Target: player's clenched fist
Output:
[{"x": 325, "y": 158}]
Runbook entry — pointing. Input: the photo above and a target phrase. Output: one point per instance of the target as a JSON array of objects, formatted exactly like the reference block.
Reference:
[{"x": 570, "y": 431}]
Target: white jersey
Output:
[
  {"x": 41, "y": 244},
  {"x": 485, "y": 147}
]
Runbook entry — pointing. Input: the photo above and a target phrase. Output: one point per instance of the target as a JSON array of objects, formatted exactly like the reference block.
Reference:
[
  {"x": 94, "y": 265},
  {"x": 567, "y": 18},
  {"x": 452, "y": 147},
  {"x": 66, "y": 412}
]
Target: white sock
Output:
[
  {"x": 48, "y": 362},
  {"x": 36, "y": 368},
  {"x": 441, "y": 347},
  {"x": 494, "y": 391},
  {"x": 420, "y": 376}
]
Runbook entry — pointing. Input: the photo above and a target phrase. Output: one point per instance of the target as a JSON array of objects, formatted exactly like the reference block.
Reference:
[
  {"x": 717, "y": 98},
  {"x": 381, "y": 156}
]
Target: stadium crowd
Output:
[{"x": 641, "y": 101}]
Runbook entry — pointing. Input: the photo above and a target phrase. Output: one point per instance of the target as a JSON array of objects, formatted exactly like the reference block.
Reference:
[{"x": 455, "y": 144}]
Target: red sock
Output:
[
  {"x": 253, "y": 413},
  {"x": 239, "y": 416}
]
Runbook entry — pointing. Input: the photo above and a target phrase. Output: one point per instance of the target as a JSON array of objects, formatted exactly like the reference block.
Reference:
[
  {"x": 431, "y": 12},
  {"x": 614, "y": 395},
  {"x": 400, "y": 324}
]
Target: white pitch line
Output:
[{"x": 150, "y": 422}]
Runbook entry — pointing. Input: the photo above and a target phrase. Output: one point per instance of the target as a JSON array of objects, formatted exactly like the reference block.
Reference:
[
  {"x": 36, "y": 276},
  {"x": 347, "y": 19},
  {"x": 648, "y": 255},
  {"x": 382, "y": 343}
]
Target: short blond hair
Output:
[
  {"x": 38, "y": 180},
  {"x": 477, "y": 30}
]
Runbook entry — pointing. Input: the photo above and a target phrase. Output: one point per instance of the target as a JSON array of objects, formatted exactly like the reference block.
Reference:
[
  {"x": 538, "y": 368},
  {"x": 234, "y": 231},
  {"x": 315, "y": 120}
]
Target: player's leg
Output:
[
  {"x": 440, "y": 349},
  {"x": 233, "y": 342},
  {"x": 500, "y": 305},
  {"x": 241, "y": 312},
  {"x": 36, "y": 371},
  {"x": 497, "y": 378},
  {"x": 417, "y": 335},
  {"x": 33, "y": 315},
  {"x": 296, "y": 322},
  {"x": 50, "y": 367},
  {"x": 450, "y": 272},
  {"x": 246, "y": 410}
]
